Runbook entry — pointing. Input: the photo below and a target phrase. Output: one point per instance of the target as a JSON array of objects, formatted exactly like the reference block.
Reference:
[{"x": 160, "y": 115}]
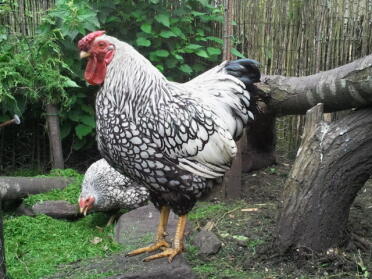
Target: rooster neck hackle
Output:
[{"x": 132, "y": 84}]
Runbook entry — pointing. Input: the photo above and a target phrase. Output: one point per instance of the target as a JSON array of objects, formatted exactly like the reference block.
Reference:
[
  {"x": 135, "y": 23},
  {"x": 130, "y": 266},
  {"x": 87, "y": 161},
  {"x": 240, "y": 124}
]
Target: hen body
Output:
[
  {"x": 173, "y": 138},
  {"x": 109, "y": 190}
]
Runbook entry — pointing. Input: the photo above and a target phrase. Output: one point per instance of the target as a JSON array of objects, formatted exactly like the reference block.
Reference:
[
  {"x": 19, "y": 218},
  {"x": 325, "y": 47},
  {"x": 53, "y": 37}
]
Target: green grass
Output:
[
  {"x": 36, "y": 246},
  {"x": 204, "y": 210},
  {"x": 70, "y": 193}
]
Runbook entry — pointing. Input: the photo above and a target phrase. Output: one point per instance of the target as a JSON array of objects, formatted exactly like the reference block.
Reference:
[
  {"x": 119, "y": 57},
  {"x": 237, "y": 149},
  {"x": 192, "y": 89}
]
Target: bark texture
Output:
[
  {"x": 333, "y": 163},
  {"x": 341, "y": 88},
  {"x": 20, "y": 187},
  {"x": 56, "y": 152}
]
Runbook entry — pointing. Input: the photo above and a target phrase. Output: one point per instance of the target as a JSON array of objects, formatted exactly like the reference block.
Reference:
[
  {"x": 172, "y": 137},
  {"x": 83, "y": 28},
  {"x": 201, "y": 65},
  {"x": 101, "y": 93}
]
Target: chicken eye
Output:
[{"x": 101, "y": 44}]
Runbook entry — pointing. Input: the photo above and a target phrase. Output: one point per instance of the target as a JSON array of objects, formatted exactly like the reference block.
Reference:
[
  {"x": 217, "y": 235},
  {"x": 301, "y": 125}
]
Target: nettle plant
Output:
[
  {"x": 176, "y": 36},
  {"x": 32, "y": 71}
]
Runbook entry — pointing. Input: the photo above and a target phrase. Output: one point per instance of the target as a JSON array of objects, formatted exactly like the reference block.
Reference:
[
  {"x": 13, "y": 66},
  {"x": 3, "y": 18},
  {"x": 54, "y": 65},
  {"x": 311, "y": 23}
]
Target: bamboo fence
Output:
[{"x": 299, "y": 37}]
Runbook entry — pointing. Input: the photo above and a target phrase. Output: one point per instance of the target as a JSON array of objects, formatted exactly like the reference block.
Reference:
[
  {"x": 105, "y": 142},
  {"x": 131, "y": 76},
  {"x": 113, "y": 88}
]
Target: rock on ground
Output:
[
  {"x": 56, "y": 209},
  {"x": 120, "y": 267},
  {"x": 139, "y": 226},
  {"x": 208, "y": 243}
]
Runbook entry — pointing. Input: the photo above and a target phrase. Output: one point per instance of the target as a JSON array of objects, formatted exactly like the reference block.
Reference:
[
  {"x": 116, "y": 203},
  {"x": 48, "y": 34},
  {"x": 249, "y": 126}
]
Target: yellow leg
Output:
[
  {"x": 160, "y": 235},
  {"x": 178, "y": 245}
]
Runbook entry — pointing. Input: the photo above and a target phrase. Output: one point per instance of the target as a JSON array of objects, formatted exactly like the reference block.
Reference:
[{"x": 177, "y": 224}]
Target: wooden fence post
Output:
[{"x": 56, "y": 152}]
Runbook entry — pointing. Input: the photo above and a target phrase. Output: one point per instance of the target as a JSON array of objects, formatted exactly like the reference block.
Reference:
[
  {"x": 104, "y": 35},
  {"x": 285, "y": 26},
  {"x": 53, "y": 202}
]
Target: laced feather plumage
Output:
[
  {"x": 110, "y": 189},
  {"x": 173, "y": 138}
]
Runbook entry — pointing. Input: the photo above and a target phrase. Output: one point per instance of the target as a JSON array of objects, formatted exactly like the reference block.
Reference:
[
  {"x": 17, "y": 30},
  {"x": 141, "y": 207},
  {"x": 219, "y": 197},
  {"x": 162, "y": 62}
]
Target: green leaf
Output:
[
  {"x": 161, "y": 53},
  {"x": 87, "y": 109},
  {"x": 74, "y": 115},
  {"x": 204, "y": 3},
  {"x": 213, "y": 51},
  {"x": 160, "y": 67},
  {"x": 155, "y": 1},
  {"x": 167, "y": 34},
  {"x": 70, "y": 83},
  {"x": 79, "y": 144},
  {"x": 143, "y": 42},
  {"x": 147, "y": 28},
  {"x": 178, "y": 32},
  {"x": 215, "y": 39},
  {"x": 237, "y": 53},
  {"x": 163, "y": 19},
  {"x": 178, "y": 57},
  {"x": 196, "y": 13},
  {"x": 186, "y": 69},
  {"x": 65, "y": 129},
  {"x": 82, "y": 130},
  {"x": 88, "y": 120},
  {"x": 193, "y": 46},
  {"x": 202, "y": 53}
]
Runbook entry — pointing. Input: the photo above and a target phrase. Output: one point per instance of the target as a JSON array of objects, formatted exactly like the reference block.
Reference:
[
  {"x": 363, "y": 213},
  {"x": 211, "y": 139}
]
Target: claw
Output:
[
  {"x": 169, "y": 252},
  {"x": 158, "y": 245}
]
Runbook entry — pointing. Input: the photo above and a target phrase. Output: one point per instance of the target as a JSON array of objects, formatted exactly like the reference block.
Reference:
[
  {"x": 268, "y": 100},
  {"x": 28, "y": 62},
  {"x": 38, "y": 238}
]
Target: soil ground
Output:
[{"x": 247, "y": 229}]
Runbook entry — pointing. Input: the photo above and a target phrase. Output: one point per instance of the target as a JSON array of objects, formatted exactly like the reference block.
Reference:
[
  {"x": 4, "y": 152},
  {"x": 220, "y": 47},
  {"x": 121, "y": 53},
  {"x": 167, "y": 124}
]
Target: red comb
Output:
[{"x": 85, "y": 42}]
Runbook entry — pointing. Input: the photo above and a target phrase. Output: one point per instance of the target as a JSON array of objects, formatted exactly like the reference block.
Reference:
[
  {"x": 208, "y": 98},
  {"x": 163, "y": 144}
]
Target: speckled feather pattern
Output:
[
  {"x": 111, "y": 190},
  {"x": 173, "y": 138}
]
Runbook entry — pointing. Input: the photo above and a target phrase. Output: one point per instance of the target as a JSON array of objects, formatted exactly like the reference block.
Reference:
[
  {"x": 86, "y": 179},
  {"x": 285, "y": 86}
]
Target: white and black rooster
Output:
[{"x": 173, "y": 138}]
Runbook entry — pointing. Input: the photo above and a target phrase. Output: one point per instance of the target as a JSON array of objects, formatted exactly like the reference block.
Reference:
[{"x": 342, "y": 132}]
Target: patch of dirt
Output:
[{"x": 248, "y": 229}]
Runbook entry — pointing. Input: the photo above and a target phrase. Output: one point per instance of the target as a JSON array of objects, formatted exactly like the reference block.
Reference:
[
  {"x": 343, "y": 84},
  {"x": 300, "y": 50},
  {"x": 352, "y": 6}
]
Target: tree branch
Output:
[
  {"x": 20, "y": 187},
  {"x": 341, "y": 88}
]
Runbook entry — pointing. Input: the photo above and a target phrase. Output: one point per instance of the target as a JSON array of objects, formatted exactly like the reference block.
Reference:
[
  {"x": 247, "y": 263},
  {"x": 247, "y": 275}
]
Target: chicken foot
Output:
[
  {"x": 160, "y": 243},
  {"x": 178, "y": 245}
]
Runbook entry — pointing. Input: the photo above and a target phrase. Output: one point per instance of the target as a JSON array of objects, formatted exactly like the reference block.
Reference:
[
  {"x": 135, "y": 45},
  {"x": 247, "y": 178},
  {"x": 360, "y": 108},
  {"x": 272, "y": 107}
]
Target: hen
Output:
[
  {"x": 105, "y": 189},
  {"x": 175, "y": 139}
]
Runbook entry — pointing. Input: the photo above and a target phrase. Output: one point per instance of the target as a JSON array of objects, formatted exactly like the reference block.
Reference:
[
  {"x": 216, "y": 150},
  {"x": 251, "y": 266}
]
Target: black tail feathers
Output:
[
  {"x": 248, "y": 72},
  {"x": 244, "y": 69}
]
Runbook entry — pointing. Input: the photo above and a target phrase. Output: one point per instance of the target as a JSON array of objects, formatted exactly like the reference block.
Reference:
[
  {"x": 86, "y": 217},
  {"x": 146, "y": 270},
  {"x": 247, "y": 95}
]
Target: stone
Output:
[
  {"x": 137, "y": 228},
  {"x": 208, "y": 243},
  {"x": 57, "y": 209},
  {"x": 118, "y": 266}
]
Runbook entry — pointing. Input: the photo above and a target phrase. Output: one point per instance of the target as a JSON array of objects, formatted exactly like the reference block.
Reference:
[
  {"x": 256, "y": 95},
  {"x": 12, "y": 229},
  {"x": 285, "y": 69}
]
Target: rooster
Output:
[
  {"x": 105, "y": 189},
  {"x": 175, "y": 139}
]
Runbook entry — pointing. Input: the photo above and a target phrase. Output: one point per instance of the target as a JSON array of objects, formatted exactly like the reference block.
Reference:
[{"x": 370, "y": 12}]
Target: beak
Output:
[
  {"x": 84, "y": 54},
  {"x": 84, "y": 210}
]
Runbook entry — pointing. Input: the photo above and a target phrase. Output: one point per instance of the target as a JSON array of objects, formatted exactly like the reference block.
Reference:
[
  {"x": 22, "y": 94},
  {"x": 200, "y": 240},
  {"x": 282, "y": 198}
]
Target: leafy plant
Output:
[{"x": 176, "y": 37}]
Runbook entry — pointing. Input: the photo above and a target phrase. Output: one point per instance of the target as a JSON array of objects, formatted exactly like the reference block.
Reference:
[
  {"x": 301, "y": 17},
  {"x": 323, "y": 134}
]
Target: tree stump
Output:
[{"x": 332, "y": 165}]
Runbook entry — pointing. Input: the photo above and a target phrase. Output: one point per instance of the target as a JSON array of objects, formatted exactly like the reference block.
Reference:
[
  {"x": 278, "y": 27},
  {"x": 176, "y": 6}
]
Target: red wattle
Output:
[{"x": 95, "y": 71}]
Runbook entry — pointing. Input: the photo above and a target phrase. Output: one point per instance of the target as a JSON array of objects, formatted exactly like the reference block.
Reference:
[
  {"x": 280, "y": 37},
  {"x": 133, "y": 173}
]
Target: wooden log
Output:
[
  {"x": 332, "y": 165},
  {"x": 345, "y": 87},
  {"x": 20, "y": 187}
]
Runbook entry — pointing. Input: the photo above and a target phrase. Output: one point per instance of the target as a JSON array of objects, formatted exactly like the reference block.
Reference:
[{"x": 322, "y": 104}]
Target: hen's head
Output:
[
  {"x": 86, "y": 204},
  {"x": 99, "y": 50}
]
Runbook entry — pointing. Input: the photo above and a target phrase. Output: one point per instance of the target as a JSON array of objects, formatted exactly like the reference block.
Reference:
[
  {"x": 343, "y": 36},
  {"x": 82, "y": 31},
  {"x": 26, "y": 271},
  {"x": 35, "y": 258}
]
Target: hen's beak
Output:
[
  {"x": 84, "y": 210},
  {"x": 84, "y": 54}
]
